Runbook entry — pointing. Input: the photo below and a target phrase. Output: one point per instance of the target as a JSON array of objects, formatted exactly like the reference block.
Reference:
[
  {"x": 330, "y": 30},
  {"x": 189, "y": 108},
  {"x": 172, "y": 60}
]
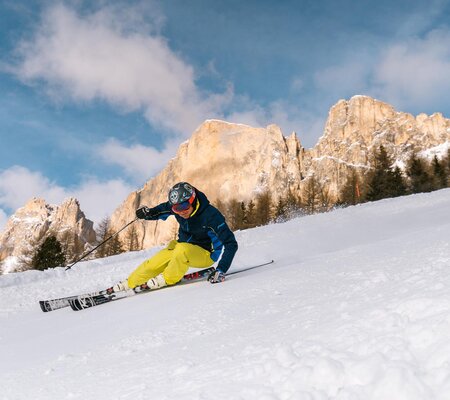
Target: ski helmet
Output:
[{"x": 181, "y": 196}]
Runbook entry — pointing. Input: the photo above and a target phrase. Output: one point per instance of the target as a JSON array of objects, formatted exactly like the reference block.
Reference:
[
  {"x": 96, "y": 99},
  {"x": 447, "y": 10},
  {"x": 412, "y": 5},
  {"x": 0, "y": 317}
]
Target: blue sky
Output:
[{"x": 97, "y": 98}]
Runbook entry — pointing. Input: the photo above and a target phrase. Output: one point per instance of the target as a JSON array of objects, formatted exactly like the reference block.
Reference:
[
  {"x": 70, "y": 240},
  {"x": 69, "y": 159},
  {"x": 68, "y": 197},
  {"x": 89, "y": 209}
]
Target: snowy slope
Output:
[{"x": 357, "y": 306}]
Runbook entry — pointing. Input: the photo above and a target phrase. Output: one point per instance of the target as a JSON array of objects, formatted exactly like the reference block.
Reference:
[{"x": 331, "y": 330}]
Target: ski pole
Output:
[{"x": 102, "y": 243}]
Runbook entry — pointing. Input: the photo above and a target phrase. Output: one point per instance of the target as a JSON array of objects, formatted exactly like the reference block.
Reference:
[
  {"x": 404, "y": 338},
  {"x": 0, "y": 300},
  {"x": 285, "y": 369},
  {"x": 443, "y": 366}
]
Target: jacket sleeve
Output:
[
  {"x": 161, "y": 211},
  {"x": 222, "y": 237}
]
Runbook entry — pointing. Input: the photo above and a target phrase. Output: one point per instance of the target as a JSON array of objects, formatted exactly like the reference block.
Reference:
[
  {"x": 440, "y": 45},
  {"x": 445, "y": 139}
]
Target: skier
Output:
[{"x": 202, "y": 235}]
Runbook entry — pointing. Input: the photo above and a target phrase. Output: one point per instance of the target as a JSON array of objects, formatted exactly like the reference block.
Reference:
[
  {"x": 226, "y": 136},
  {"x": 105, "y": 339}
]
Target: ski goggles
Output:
[{"x": 183, "y": 206}]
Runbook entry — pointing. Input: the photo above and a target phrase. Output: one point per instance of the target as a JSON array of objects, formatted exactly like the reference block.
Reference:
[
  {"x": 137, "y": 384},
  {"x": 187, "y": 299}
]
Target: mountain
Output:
[
  {"x": 36, "y": 220},
  {"x": 225, "y": 161},
  {"x": 356, "y": 306},
  {"x": 356, "y": 127},
  {"x": 233, "y": 161}
]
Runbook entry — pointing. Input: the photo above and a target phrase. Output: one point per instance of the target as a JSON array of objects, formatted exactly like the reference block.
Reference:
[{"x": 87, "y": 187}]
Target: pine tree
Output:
[
  {"x": 384, "y": 181},
  {"x": 312, "y": 196},
  {"x": 281, "y": 211},
  {"x": 244, "y": 215},
  {"x": 48, "y": 255},
  {"x": 26, "y": 258},
  {"x": 325, "y": 199},
  {"x": 378, "y": 178},
  {"x": 251, "y": 215},
  {"x": 293, "y": 205},
  {"x": 263, "y": 210},
  {"x": 350, "y": 194},
  {"x": 398, "y": 186},
  {"x": 113, "y": 246},
  {"x": 287, "y": 208},
  {"x": 446, "y": 161},
  {"x": 102, "y": 233},
  {"x": 235, "y": 215},
  {"x": 446, "y": 164},
  {"x": 440, "y": 173},
  {"x": 72, "y": 246},
  {"x": 419, "y": 179},
  {"x": 351, "y": 191},
  {"x": 131, "y": 239}
]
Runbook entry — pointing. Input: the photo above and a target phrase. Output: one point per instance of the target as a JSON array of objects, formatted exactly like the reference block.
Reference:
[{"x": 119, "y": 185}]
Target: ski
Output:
[
  {"x": 56, "y": 304},
  {"x": 62, "y": 302},
  {"x": 82, "y": 302},
  {"x": 87, "y": 301}
]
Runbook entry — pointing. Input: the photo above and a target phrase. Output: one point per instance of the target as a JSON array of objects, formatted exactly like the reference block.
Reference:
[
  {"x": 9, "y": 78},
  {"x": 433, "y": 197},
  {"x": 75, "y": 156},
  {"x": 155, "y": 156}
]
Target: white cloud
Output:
[
  {"x": 3, "y": 220},
  {"x": 349, "y": 77},
  {"x": 289, "y": 117},
  {"x": 97, "y": 199},
  {"x": 139, "y": 162},
  {"x": 114, "y": 56},
  {"x": 18, "y": 185},
  {"x": 101, "y": 56},
  {"x": 415, "y": 73},
  {"x": 411, "y": 74}
]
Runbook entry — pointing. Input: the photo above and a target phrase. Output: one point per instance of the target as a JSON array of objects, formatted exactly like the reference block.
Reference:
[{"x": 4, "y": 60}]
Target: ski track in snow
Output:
[{"x": 356, "y": 306}]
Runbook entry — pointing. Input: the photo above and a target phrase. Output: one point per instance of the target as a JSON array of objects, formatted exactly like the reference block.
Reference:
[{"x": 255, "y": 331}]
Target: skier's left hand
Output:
[{"x": 216, "y": 276}]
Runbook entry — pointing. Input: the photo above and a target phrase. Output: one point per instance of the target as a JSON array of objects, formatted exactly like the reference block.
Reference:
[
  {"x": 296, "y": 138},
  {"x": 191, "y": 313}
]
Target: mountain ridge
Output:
[
  {"x": 37, "y": 219},
  {"x": 229, "y": 160},
  {"x": 279, "y": 164}
]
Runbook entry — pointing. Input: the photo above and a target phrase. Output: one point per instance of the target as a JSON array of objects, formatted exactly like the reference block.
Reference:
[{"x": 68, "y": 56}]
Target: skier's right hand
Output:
[
  {"x": 143, "y": 212},
  {"x": 216, "y": 276}
]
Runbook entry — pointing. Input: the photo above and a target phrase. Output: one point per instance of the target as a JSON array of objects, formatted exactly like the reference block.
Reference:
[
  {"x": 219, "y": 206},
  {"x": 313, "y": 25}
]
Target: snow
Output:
[
  {"x": 356, "y": 306},
  {"x": 276, "y": 159},
  {"x": 9, "y": 263},
  {"x": 26, "y": 220},
  {"x": 439, "y": 151},
  {"x": 340, "y": 161}
]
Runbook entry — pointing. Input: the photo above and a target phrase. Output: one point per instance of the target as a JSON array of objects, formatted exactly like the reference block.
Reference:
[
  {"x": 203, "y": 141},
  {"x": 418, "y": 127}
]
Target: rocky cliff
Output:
[
  {"x": 355, "y": 127},
  {"x": 37, "y": 219},
  {"x": 227, "y": 160},
  {"x": 235, "y": 161}
]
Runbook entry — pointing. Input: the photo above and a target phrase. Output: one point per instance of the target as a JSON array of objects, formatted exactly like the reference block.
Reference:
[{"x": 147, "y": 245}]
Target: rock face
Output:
[
  {"x": 225, "y": 161},
  {"x": 37, "y": 219},
  {"x": 356, "y": 127},
  {"x": 233, "y": 161},
  {"x": 228, "y": 160}
]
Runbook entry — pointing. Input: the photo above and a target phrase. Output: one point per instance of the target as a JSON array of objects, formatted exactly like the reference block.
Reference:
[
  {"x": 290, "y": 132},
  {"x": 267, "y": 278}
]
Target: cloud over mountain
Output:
[{"x": 101, "y": 56}]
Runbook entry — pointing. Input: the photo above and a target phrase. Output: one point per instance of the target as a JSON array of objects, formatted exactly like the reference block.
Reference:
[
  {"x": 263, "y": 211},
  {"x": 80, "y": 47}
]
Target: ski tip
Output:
[{"x": 43, "y": 304}]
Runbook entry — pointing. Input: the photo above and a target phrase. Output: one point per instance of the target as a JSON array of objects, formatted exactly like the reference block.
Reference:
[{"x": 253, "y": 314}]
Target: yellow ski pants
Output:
[{"x": 173, "y": 262}]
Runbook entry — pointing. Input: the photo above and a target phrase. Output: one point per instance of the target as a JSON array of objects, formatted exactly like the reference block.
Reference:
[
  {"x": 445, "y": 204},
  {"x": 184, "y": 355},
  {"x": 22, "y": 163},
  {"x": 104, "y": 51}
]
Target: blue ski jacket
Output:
[{"x": 206, "y": 227}]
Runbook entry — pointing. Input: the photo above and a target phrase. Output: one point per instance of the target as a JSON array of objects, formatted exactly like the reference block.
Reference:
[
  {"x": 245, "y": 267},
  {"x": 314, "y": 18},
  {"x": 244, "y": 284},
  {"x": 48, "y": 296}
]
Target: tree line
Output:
[
  {"x": 383, "y": 180},
  {"x": 387, "y": 180}
]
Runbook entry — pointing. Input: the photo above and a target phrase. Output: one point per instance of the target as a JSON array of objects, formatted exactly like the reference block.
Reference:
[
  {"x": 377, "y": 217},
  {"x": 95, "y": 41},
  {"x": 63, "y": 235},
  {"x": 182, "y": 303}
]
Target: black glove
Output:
[
  {"x": 216, "y": 276},
  {"x": 143, "y": 212}
]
